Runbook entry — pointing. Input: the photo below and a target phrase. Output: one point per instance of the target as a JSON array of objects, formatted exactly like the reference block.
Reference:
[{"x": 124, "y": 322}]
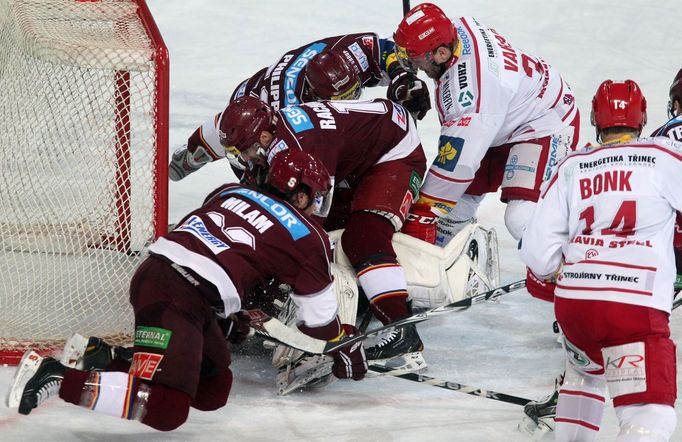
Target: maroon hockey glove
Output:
[
  {"x": 350, "y": 361},
  {"x": 421, "y": 223},
  {"x": 411, "y": 92},
  {"x": 539, "y": 288},
  {"x": 236, "y": 327}
]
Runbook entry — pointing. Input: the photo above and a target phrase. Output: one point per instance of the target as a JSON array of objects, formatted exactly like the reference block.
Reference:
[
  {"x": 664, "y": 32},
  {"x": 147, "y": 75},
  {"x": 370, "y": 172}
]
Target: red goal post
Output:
[{"x": 83, "y": 166}]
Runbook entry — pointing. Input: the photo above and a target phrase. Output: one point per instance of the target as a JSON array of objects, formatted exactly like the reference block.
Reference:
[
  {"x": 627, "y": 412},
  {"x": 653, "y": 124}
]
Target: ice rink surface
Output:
[{"x": 508, "y": 346}]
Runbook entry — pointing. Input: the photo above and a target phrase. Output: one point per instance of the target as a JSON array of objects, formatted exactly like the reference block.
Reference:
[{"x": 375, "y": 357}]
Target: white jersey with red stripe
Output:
[
  {"x": 492, "y": 94},
  {"x": 608, "y": 213}
]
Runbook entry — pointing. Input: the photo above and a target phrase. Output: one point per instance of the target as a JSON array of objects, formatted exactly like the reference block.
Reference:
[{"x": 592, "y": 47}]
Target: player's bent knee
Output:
[
  {"x": 646, "y": 422},
  {"x": 166, "y": 408},
  {"x": 213, "y": 391},
  {"x": 366, "y": 235},
  {"x": 516, "y": 216}
]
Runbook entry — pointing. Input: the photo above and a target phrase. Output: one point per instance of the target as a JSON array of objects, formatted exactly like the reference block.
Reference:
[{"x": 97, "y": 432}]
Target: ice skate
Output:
[
  {"x": 401, "y": 349},
  {"x": 37, "y": 379}
]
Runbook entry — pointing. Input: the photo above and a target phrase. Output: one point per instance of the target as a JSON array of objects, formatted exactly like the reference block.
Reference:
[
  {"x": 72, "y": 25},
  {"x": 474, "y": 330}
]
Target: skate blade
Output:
[
  {"x": 409, "y": 363},
  {"x": 536, "y": 431},
  {"x": 315, "y": 377},
  {"x": 74, "y": 349},
  {"x": 27, "y": 368}
]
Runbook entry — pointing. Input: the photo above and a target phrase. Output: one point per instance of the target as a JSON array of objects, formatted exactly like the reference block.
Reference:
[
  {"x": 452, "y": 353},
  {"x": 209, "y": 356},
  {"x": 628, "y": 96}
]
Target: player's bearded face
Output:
[{"x": 426, "y": 62}]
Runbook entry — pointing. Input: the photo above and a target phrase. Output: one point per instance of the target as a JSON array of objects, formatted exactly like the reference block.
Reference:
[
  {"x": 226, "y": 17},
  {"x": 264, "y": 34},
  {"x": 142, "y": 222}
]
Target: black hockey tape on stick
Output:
[
  {"x": 406, "y": 7},
  {"x": 454, "y": 386},
  {"x": 283, "y": 334}
]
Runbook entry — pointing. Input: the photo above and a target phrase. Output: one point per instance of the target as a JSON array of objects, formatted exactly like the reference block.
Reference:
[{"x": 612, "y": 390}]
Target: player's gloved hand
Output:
[
  {"x": 421, "y": 223},
  {"x": 350, "y": 361},
  {"x": 236, "y": 327},
  {"x": 411, "y": 92},
  {"x": 538, "y": 287},
  {"x": 183, "y": 162}
]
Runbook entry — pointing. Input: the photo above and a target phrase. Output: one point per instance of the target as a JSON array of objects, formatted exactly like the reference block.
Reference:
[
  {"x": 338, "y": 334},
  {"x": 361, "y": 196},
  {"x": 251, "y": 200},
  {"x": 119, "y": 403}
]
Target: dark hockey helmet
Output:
[
  {"x": 675, "y": 93},
  {"x": 330, "y": 76},
  {"x": 293, "y": 167},
  {"x": 618, "y": 104},
  {"x": 424, "y": 29},
  {"x": 242, "y": 122}
]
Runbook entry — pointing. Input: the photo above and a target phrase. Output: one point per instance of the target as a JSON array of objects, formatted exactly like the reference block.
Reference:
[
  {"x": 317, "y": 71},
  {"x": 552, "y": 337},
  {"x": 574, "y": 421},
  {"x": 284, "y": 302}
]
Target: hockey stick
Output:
[
  {"x": 677, "y": 302},
  {"x": 406, "y": 7},
  {"x": 416, "y": 377},
  {"x": 274, "y": 329}
]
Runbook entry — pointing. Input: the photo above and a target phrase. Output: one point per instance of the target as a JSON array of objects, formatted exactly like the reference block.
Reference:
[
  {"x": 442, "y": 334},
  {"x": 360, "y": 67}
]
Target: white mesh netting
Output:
[{"x": 78, "y": 143}]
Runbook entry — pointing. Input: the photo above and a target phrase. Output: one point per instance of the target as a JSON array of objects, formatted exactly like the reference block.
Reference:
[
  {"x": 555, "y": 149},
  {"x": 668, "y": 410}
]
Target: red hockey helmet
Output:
[
  {"x": 242, "y": 122},
  {"x": 292, "y": 167},
  {"x": 331, "y": 77},
  {"x": 424, "y": 29},
  {"x": 618, "y": 104},
  {"x": 675, "y": 93}
]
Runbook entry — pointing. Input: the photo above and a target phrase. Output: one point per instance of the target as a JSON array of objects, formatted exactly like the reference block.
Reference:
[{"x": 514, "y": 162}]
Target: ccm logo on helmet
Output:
[{"x": 426, "y": 33}]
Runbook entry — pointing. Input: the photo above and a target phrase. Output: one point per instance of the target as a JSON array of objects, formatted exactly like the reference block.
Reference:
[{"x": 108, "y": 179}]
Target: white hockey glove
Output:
[{"x": 184, "y": 162}]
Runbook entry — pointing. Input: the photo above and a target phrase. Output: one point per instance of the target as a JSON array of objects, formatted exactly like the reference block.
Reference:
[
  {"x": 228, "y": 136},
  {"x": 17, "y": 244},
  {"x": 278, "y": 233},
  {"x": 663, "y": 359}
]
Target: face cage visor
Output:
[
  {"x": 322, "y": 202},
  {"x": 413, "y": 63}
]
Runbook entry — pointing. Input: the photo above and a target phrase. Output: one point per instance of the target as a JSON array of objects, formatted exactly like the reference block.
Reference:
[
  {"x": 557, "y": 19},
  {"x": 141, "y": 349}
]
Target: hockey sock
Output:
[
  {"x": 650, "y": 422},
  {"x": 367, "y": 243},
  {"x": 120, "y": 394},
  {"x": 213, "y": 391},
  {"x": 580, "y": 407}
]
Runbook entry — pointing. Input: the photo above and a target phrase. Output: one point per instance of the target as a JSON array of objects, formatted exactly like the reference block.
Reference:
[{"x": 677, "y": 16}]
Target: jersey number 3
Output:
[{"x": 623, "y": 224}]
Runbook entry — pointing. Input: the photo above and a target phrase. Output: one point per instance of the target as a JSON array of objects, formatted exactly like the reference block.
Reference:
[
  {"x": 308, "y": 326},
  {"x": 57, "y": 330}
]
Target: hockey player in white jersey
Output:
[
  {"x": 507, "y": 118},
  {"x": 604, "y": 226}
]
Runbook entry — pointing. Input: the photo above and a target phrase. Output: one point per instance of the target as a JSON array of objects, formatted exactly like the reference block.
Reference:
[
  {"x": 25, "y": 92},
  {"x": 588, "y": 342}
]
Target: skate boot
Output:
[
  {"x": 92, "y": 353},
  {"x": 37, "y": 379},
  {"x": 307, "y": 372},
  {"x": 540, "y": 414},
  {"x": 401, "y": 349}
]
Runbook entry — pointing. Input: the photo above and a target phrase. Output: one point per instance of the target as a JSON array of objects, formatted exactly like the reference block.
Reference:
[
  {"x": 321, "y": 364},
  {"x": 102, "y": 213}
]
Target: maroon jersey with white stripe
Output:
[
  {"x": 349, "y": 137},
  {"x": 241, "y": 238},
  {"x": 609, "y": 214},
  {"x": 672, "y": 129},
  {"x": 282, "y": 83}
]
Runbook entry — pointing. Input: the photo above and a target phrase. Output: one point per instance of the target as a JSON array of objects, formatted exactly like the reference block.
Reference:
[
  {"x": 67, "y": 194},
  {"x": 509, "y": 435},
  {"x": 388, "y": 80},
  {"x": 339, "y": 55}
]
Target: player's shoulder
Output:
[{"x": 671, "y": 129}]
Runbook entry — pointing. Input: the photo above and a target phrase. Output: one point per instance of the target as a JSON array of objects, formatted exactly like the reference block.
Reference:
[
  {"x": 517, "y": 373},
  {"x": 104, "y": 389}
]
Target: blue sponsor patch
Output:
[
  {"x": 195, "y": 226},
  {"x": 293, "y": 72},
  {"x": 298, "y": 119},
  {"x": 286, "y": 217},
  {"x": 449, "y": 151}
]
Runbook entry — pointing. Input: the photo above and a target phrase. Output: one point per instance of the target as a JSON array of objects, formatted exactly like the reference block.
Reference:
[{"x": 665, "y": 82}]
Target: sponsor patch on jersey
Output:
[
  {"x": 465, "y": 98},
  {"x": 242, "y": 89},
  {"x": 464, "y": 38},
  {"x": 415, "y": 184},
  {"x": 406, "y": 204},
  {"x": 144, "y": 365},
  {"x": 399, "y": 116},
  {"x": 297, "y": 118},
  {"x": 277, "y": 148},
  {"x": 359, "y": 56},
  {"x": 195, "y": 226},
  {"x": 152, "y": 337},
  {"x": 293, "y": 72},
  {"x": 286, "y": 217},
  {"x": 449, "y": 151}
]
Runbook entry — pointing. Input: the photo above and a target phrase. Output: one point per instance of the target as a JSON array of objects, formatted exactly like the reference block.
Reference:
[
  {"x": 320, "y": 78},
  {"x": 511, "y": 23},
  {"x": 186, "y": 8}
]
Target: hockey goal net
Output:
[{"x": 83, "y": 165}]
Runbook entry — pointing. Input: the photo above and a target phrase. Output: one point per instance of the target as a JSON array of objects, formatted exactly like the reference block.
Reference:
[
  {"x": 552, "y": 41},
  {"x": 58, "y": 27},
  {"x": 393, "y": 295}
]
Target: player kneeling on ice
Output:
[
  {"x": 608, "y": 214},
  {"x": 187, "y": 297}
]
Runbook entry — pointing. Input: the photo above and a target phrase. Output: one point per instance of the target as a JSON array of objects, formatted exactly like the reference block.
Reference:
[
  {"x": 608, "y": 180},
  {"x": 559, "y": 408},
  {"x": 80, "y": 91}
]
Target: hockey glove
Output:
[
  {"x": 421, "y": 223},
  {"x": 350, "y": 361},
  {"x": 236, "y": 327},
  {"x": 411, "y": 92},
  {"x": 538, "y": 287},
  {"x": 185, "y": 162}
]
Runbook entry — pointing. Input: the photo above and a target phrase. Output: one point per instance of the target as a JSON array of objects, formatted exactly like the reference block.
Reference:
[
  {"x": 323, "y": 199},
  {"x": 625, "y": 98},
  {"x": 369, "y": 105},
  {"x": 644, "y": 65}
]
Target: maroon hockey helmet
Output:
[
  {"x": 293, "y": 167},
  {"x": 618, "y": 104},
  {"x": 675, "y": 94},
  {"x": 330, "y": 76},
  {"x": 424, "y": 29},
  {"x": 242, "y": 122}
]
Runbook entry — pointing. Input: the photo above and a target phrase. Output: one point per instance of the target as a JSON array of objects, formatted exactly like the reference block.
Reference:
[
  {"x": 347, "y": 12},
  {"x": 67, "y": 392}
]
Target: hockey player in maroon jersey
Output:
[
  {"x": 187, "y": 297},
  {"x": 673, "y": 130},
  {"x": 604, "y": 226},
  {"x": 332, "y": 68},
  {"x": 373, "y": 152},
  {"x": 507, "y": 118}
]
